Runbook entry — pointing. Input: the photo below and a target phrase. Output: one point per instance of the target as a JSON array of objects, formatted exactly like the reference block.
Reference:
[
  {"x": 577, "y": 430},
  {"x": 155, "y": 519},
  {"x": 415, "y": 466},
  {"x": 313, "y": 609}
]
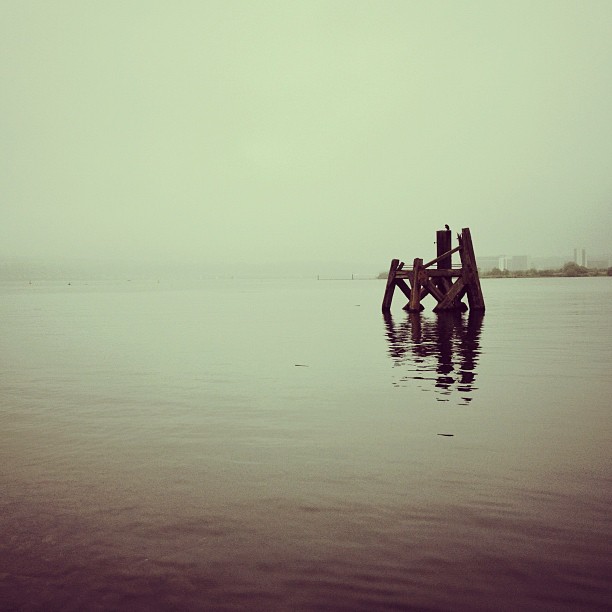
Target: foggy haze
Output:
[{"x": 229, "y": 131}]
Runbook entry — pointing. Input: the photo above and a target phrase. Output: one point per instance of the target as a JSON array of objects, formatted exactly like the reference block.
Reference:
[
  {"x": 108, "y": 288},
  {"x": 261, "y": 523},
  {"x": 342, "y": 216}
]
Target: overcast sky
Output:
[{"x": 258, "y": 130}]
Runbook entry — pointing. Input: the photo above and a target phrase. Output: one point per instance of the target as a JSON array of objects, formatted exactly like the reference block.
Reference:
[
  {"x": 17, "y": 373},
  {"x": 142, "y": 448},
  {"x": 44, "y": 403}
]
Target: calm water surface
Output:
[{"x": 268, "y": 445}]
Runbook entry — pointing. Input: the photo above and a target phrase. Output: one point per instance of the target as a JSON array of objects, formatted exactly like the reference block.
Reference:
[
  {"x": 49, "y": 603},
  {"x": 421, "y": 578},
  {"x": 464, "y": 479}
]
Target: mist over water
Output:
[
  {"x": 226, "y": 133},
  {"x": 275, "y": 445}
]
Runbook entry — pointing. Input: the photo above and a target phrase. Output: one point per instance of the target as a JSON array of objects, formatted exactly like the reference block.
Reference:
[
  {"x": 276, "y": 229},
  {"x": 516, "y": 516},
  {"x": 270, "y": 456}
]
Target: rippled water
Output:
[{"x": 268, "y": 445}]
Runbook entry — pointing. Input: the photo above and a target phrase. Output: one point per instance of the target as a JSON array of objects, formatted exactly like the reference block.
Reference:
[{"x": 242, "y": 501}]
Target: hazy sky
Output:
[{"x": 257, "y": 130}]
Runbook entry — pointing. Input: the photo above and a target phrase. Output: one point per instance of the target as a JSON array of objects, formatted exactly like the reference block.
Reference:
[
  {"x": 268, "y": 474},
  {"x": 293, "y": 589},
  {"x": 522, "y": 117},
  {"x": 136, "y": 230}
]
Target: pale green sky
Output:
[{"x": 312, "y": 130}]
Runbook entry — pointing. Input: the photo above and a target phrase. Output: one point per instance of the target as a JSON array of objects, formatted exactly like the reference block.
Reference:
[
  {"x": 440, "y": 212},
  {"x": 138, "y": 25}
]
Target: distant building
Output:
[
  {"x": 501, "y": 262},
  {"x": 486, "y": 264},
  {"x": 599, "y": 262},
  {"x": 519, "y": 262}
]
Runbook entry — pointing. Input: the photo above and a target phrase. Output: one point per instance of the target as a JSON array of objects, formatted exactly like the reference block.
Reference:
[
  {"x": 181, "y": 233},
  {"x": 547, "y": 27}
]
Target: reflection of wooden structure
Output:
[
  {"x": 423, "y": 279},
  {"x": 440, "y": 354}
]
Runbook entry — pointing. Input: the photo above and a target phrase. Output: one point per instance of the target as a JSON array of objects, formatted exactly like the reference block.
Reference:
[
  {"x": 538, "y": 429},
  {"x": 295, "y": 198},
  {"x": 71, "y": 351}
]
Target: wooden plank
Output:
[{"x": 390, "y": 287}]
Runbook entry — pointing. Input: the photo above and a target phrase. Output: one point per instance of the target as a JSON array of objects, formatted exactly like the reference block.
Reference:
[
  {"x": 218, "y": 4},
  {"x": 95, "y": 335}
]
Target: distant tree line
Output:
[{"x": 569, "y": 269}]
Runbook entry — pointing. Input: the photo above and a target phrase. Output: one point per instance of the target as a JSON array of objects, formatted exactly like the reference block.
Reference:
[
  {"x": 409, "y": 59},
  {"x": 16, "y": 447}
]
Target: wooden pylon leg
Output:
[
  {"x": 414, "y": 305},
  {"x": 390, "y": 288},
  {"x": 470, "y": 271}
]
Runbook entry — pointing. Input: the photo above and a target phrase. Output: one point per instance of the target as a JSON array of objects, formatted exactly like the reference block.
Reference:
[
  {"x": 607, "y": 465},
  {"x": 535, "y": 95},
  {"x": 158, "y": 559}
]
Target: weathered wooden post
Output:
[{"x": 443, "y": 246}]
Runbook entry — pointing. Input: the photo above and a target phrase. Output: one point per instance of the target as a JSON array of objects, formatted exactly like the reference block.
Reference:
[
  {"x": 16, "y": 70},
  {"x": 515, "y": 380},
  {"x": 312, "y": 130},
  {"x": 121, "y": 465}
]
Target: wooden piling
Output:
[
  {"x": 443, "y": 246},
  {"x": 425, "y": 280},
  {"x": 445, "y": 262}
]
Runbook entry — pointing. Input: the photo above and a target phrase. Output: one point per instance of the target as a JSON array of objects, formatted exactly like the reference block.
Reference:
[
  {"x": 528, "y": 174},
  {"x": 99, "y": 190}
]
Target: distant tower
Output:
[{"x": 580, "y": 257}]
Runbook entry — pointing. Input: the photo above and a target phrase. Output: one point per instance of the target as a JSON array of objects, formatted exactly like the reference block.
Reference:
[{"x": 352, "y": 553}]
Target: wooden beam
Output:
[
  {"x": 447, "y": 254},
  {"x": 439, "y": 295},
  {"x": 454, "y": 292},
  {"x": 456, "y": 272},
  {"x": 406, "y": 273},
  {"x": 403, "y": 286},
  {"x": 424, "y": 294}
]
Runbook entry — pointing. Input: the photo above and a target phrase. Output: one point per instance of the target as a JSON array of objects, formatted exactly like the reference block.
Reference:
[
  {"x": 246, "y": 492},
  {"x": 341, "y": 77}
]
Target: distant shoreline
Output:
[
  {"x": 569, "y": 270},
  {"x": 573, "y": 271}
]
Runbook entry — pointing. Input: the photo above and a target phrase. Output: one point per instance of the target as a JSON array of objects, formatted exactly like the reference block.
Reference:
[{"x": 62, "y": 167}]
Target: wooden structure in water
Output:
[{"x": 448, "y": 285}]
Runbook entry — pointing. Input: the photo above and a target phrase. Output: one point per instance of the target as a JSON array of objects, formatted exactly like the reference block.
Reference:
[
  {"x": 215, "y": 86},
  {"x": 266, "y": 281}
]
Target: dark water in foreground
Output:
[{"x": 264, "y": 445}]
